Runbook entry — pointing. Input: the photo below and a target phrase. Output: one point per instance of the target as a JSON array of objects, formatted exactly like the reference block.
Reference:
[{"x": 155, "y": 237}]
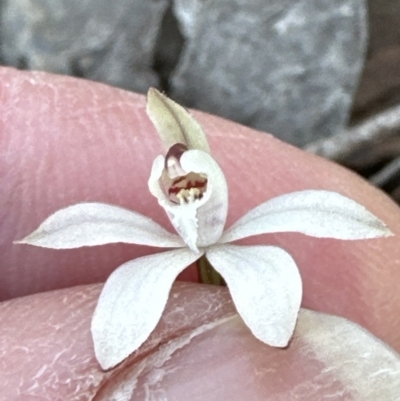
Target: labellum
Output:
[{"x": 181, "y": 186}]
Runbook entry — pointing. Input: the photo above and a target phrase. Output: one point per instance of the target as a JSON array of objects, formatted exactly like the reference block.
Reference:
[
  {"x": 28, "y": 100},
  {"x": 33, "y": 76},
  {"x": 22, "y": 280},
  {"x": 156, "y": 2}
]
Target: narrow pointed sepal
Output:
[
  {"x": 266, "y": 288},
  {"x": 89, "y": 224},
  {"x": 132, "y": 302},
  {"x": 318, "y": 213},
  {"x": 174, "y": 123}
]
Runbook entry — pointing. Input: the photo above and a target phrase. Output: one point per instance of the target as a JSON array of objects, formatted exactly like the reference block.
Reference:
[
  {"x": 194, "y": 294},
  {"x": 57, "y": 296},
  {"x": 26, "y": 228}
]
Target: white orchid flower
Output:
[{"x": 264, "y": 281}]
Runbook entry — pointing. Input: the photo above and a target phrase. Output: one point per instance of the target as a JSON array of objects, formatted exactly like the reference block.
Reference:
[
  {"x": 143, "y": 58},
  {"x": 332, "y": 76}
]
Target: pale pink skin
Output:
[{"x": 64, "y": 141}]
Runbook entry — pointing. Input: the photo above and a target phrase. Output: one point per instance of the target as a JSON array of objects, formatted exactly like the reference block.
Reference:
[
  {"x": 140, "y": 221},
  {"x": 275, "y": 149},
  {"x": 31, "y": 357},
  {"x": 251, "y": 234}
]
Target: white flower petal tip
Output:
[
  {"x": 174, "y": 123},
  {"x": 318, "y": 213},
  {"x": 132, "y": 302},
  {"x": 89, "y": 224},
  {"x": 266, "y": 288}
]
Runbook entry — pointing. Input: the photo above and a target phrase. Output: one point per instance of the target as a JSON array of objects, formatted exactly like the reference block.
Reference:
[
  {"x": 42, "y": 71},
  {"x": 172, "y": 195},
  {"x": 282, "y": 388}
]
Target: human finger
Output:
[{"x": 66, "y": 140}]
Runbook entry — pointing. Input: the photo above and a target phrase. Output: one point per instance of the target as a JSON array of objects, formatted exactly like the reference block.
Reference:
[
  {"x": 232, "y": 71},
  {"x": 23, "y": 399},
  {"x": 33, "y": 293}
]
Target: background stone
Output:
[
  {"x": 109, "y": 41},
  {"x": 282, "y": 66}
]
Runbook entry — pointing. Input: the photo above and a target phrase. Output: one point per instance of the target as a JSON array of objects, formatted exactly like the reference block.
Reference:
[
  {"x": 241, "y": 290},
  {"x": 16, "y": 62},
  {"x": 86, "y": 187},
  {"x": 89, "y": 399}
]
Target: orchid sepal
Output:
[
  {"x": 266, "y": 287},
  {"x": 317, "y": 213},
  {"x": 132, "y": 302},
  {"x": 92, "y": 223},
  {"x": 174, "y": 123}
]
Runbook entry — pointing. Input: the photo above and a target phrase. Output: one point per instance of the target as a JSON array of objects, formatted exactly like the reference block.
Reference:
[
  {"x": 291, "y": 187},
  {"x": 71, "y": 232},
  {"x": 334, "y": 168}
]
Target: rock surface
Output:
[
  {"x": 109, "y": 41},
  {"x": 286, "y": 67},
  {"x": 282, "y": 66}
]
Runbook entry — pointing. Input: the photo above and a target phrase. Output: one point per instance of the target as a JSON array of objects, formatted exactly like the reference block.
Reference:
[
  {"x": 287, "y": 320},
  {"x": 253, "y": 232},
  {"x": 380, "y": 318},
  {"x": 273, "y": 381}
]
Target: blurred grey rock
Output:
[
  {"x": 109, "y": 41},
  {"x": 283, "y": 66}
]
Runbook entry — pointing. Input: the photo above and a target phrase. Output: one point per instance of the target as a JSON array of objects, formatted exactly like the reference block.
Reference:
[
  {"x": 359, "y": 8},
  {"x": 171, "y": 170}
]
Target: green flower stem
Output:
[{"x": 207, "y": 274}]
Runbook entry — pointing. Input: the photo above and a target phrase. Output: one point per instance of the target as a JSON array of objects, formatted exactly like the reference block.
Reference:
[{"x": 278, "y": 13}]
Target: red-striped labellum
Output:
[{"x": 181, "y": 186}]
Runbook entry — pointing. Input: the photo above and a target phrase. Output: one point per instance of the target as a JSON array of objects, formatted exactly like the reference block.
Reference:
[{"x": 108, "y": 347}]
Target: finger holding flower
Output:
[{"x": 263, "y": 280}]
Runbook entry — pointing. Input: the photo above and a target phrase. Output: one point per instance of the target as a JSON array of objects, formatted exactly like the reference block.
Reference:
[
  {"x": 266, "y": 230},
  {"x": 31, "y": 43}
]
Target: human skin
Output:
[{"x": 64, "y": 141}]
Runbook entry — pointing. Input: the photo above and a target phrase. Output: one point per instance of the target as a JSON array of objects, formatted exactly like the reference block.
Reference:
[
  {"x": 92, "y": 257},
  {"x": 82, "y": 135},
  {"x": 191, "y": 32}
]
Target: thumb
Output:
[{"x": 201, "y": 350}]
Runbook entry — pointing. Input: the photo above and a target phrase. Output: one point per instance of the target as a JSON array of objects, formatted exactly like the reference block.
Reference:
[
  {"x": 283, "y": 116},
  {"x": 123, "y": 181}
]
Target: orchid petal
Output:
[
  {"x": 132, "y": 302},
  {"x": 174, "y": 123},
  {"x": 318, "y": 213},
  {"x": 199, "y": 223},
  {"x": 88, "y": 224},
  {"x": 266, "y": 288}
]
